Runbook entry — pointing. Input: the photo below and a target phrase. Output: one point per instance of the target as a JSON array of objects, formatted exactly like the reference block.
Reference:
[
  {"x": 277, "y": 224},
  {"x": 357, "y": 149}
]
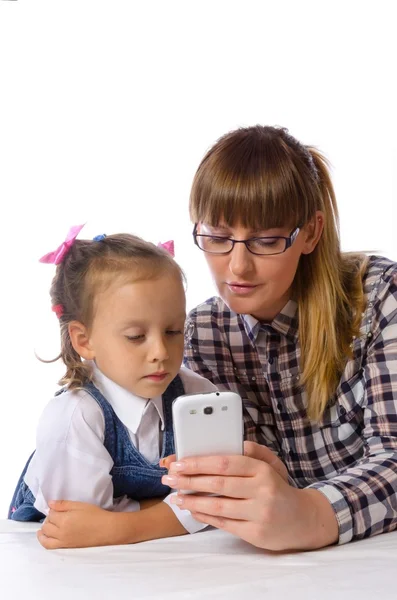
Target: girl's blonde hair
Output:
[
  {"x": 262, "y": 177},
  {"x": 90, "y": 267}
]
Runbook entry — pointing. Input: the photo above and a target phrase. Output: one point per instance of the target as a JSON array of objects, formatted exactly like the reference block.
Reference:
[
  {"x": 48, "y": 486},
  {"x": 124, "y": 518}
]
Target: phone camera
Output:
[{"x": 208, "y": 410}]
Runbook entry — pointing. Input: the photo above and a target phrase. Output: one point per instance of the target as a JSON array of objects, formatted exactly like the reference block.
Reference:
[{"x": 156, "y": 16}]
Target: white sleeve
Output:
[
  {"x": 193, "y": 384},
  {"x": 71, "y": 462},
  {"x": 184, "y": 516}
]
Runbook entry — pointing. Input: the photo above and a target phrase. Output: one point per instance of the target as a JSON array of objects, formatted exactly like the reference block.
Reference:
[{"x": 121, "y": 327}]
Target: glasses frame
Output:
[{"x": 289, "y": 240}]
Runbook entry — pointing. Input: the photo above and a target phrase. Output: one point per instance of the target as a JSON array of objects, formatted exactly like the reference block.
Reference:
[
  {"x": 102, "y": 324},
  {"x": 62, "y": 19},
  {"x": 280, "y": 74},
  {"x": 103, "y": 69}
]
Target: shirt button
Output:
[
  {"x": 342, "y": 410},
  {"x": 279, "y": 406},
  {"x": 291, "y": 453},
  {"x": 270, "y": 361}
]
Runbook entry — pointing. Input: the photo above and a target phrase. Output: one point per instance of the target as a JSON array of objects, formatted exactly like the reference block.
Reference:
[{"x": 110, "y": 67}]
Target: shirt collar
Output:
[
  {"x": 128, "y": 407},
  {"x": 286, "y": 323}
]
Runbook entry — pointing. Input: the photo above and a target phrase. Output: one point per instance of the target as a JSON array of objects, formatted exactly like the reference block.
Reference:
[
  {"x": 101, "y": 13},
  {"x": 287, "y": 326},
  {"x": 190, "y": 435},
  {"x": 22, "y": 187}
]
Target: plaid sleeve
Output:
[{"x": 364, "y": 496}]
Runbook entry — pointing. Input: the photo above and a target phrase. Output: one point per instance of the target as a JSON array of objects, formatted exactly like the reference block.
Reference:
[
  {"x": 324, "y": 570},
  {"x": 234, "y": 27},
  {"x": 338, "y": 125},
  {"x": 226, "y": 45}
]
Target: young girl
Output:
[
  {"x": 307, "y": 334},
  {"x": 121, "y": 308}
]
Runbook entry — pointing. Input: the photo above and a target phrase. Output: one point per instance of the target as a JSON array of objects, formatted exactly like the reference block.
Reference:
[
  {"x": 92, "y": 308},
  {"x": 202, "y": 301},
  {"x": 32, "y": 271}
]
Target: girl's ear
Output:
[
  {"x": 80, "y": 340},
  {"x": 313, "y": 232}
]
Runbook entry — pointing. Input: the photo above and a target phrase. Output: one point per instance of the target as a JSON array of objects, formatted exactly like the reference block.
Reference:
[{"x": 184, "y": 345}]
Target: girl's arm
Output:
[
  {"x": 81, "y": 525},
  {"x": 72, "y": 462},
  {"x": 78, "y": 524}
]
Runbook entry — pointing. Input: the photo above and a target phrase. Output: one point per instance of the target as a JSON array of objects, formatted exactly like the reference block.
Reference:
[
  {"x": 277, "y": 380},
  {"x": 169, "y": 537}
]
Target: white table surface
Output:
[{"x": 211, "y": 565}]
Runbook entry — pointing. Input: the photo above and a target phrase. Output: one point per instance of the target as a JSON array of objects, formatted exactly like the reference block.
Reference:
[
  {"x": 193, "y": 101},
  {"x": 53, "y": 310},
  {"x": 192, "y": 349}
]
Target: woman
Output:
[{"x": 307, "y": 335}]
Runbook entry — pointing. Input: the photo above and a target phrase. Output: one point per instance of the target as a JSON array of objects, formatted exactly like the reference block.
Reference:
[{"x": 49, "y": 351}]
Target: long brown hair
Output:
[
  {"x": 88, "y": 268},
  {"x": 262, "y": 177}
]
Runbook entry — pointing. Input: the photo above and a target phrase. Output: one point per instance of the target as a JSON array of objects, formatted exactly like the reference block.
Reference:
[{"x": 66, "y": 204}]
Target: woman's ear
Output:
[
  {"x": 312, "y": 232},
  {"x": 79, "y": 337}
]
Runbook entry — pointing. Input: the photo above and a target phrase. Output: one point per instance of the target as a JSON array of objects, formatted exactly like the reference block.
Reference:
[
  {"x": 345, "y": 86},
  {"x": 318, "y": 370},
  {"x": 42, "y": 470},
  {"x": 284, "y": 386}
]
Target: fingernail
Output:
[
  {"x": 169, "y": 480},
  {"x": 176, "y": 500},
  {"x": 177, "y": 466}
]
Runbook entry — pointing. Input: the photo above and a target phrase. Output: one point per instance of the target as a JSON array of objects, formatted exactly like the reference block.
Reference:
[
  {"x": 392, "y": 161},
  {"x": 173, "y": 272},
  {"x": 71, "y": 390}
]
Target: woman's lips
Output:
[{"x": 241, "y": 288}]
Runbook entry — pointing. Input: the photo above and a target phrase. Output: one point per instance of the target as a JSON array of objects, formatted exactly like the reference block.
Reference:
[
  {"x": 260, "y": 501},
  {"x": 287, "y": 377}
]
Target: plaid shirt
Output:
[{"x": 351, "y": 454}]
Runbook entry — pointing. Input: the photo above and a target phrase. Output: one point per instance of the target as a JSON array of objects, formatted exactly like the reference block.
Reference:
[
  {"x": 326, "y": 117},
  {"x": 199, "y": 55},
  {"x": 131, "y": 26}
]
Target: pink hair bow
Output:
[
  {"x": 57, "y": 256},
  {"x": 169, "y": 246}
]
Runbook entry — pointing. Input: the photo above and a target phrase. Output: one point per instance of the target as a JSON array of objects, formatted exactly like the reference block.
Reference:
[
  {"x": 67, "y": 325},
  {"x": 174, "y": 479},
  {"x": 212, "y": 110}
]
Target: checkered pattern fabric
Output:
[{"x": 351, "y": 454}]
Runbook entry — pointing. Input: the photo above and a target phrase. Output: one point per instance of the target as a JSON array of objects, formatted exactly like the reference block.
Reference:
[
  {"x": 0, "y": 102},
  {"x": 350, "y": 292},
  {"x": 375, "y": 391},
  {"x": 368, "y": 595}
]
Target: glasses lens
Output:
[
  {"x": 214, "y": 244},
  {"x": 267, "y": 245}
]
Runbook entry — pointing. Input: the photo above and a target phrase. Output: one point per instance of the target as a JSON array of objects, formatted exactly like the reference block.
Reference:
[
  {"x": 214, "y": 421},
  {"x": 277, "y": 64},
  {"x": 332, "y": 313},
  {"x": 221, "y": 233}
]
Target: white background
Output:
[{"x": 106, "y": 109}]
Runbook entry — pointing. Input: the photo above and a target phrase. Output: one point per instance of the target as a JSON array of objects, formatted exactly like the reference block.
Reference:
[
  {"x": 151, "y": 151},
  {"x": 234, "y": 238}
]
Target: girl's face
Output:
[
  {"x": 136, "y": 338},
  {"x": 258, "y": 285}
]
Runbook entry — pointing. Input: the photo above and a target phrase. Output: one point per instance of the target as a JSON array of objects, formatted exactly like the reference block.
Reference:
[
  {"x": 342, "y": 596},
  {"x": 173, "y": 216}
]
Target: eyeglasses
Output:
[{"x": 261, "y": 246}]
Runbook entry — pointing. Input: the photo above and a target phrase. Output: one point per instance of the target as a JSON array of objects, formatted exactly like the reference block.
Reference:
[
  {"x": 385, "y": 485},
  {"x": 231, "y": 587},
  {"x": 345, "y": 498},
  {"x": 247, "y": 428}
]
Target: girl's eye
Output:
[
  {"x": 134, "y": 338},
  {"x": 174, "y": 332}
]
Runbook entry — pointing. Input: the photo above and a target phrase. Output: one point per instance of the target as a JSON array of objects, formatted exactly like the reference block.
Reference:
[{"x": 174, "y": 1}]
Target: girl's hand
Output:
[
  {"x": 81, "y": 525},
  {"x": 76, "y": 525},
  {"x": 255, "y": 501}
]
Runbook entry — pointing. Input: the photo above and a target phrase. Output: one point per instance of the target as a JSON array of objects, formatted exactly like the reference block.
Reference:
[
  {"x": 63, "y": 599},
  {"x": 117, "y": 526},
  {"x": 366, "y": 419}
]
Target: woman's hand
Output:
[{"x": 255, "y": 501}]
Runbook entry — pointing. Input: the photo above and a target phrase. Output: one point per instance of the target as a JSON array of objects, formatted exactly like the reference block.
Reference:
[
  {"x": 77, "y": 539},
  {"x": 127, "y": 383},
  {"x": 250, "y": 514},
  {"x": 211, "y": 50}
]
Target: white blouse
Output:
[{"x": 71, "y": 462}]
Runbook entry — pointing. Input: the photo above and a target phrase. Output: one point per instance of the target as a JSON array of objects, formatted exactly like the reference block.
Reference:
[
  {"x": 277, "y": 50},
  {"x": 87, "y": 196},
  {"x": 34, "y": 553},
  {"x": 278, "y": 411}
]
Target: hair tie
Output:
[
  {"x": 169, "y": 246},
  {"x": 58, "y": 309},
  {"x": 57, "y": 256},
  {"x": 99, "y": 238}
]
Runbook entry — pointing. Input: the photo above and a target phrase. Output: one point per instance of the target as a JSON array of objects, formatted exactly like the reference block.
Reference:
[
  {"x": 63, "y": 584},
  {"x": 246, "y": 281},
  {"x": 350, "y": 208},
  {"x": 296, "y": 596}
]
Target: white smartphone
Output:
[{"x": 209, "y": 424}]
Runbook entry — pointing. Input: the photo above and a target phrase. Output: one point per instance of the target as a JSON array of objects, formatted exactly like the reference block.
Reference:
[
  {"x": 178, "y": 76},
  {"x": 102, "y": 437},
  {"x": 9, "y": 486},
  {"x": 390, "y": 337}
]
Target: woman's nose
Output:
[{"x": 241, "y": 260}]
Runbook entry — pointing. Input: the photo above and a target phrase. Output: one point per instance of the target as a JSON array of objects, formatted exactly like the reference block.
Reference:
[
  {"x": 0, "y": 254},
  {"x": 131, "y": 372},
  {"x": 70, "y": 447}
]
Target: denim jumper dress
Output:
[{"x": 132, "y": 474}]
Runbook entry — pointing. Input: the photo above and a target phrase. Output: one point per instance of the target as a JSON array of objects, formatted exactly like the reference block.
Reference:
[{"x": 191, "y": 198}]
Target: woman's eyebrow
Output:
[{"x": 251, "y": 232}]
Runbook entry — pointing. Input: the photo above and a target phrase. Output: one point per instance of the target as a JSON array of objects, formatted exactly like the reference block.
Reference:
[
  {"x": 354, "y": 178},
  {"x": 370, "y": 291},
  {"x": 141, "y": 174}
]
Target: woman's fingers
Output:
[
  {"x": 215, "y": 506},
  {"x": 237, "y": 466},
  {"x": 166, "y": 461},
  {"x": 244, "y": 530},
  {"x": 234, "y": 526},
  {"x": 232, "y": 476},
  {"x": 233, "y": 487},
  {"x": 264, "y": 454}
]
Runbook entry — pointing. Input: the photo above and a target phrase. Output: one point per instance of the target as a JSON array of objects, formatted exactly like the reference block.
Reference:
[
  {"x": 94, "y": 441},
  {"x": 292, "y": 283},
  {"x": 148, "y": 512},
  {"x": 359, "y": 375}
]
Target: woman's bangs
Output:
[{"x": 259, "y": 202}]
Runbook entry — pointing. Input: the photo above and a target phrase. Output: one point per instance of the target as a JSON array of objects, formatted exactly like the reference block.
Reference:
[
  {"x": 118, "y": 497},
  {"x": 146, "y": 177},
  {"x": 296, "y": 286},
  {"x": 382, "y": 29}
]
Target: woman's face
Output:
[{"x": 258, "y": 285}]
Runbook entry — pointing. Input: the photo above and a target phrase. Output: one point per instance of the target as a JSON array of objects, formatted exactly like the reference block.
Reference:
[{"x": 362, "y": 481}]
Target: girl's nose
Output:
[{"x": 158, "y": 350}]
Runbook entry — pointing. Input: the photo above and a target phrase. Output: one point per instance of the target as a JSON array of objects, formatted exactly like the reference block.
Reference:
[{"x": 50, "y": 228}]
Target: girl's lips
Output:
[{"x": 157, "y": 376}]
